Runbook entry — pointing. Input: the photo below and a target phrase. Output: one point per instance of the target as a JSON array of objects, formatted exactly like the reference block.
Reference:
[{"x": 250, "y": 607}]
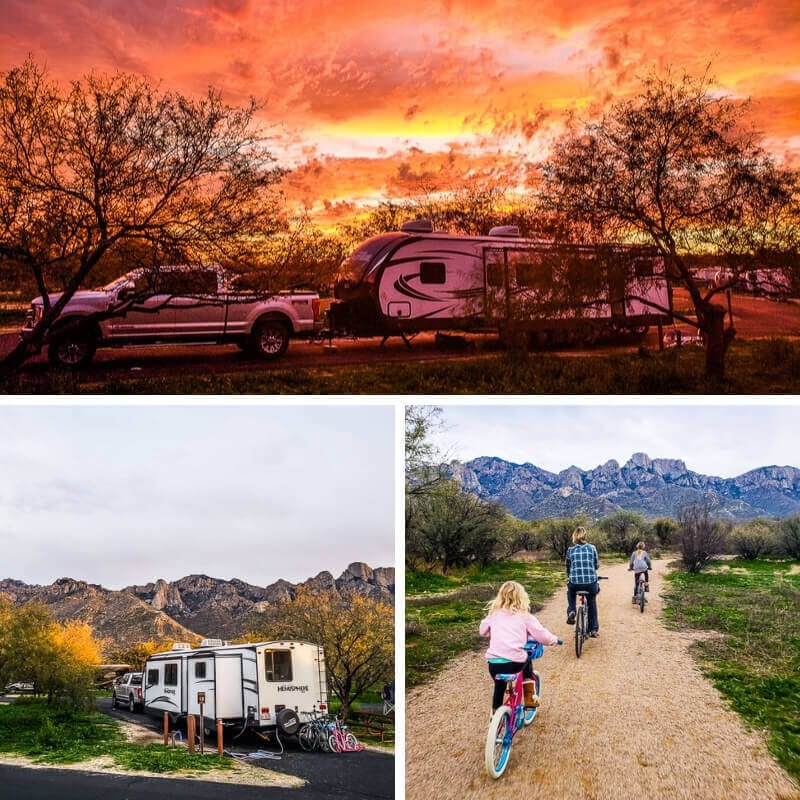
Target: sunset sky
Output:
[{"x": 362, "y": 97}]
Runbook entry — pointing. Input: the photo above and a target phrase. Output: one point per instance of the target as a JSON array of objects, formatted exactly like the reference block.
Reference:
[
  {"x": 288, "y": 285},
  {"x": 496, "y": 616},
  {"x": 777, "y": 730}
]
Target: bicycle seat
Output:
[
  {"x": 582, "y": 592},
  {"x": 507, "y": 676}
]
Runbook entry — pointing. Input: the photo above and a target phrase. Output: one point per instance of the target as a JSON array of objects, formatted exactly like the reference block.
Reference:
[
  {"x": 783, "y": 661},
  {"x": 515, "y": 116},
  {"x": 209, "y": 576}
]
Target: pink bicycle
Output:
[
  {"x": 512, "y": 716},
  {"x": 341, "y": 740}
]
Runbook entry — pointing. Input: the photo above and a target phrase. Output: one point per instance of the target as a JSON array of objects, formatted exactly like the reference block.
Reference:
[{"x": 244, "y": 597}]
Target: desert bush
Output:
[
  {"x": 788, "y": 537},
  {"x": 623, "y": 530},
  {"x": 700, "y": 536},
  {"x": 754, "y": 539}
]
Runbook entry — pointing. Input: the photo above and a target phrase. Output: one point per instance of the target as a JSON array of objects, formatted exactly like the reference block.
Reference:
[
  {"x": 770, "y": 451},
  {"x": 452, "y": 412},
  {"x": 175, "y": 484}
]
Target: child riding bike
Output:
[
  {"x": 509, "y": 624},
  {"x": 640, "y": 564}
]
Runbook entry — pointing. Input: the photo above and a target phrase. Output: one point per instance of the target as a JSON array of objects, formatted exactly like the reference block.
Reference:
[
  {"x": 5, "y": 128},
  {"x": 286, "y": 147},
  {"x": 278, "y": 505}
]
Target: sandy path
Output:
[{"x": 677, "y": 740}]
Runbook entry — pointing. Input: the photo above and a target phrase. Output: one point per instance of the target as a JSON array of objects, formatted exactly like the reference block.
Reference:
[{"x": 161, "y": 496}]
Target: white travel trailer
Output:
[
  {"x": 417, "y": 279},
  {"x": 265, "y": 685}
]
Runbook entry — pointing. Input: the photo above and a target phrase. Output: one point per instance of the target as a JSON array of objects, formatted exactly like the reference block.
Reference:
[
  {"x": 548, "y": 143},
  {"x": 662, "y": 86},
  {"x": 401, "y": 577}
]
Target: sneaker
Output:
[
  {"x": 571, "y": 618},
  {"x": 647, "y": 587},
  {"x": 633, "y": 599},
  {"x": 594, "y": 634}
]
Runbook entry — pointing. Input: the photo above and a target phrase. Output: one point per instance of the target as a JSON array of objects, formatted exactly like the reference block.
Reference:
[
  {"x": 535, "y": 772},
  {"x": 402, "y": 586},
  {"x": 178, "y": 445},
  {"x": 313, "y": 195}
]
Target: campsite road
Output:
[
  {"x": 62, "y": 784},
  {"x": 365, "y": 774}
]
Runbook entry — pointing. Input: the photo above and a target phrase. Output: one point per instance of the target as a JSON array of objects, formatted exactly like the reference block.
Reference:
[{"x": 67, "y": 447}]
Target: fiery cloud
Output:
[{"x": 354, "y": 90}]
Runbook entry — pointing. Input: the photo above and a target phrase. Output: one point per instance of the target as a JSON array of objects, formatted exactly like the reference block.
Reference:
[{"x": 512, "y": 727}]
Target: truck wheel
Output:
[
  {"x": 270, "y": 338},
  {"x": 73, "y": 349},
  {"x": 131, "y": 704}
]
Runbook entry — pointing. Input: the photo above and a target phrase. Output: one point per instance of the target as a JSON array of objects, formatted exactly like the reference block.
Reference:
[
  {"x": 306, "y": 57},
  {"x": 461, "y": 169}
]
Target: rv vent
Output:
[
  {"x": 418, "y": 226},
  {"x": 211, "y": 643},
  {"x": 181, "y": 646},
  {"x": 505, "y": 230}
]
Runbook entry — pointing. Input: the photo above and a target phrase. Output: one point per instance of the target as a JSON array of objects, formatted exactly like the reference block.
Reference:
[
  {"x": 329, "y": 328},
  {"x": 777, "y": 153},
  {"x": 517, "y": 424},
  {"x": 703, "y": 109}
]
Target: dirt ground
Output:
[{"x": 632, "y": 717}]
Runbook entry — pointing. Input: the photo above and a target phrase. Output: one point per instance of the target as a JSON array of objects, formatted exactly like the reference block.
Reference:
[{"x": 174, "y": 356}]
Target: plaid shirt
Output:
[{"x": 582, "y": 563}]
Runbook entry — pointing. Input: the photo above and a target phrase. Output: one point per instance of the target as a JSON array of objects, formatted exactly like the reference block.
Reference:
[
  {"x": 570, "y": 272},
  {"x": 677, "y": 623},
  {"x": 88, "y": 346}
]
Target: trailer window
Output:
[
  {"x": 278, "y": 665},
  {"x": 170, "y": 674},
  {"x": 152, "y": 677},
  {"x": 200, "y": 669},
  {"x": 432, "y": 272}
]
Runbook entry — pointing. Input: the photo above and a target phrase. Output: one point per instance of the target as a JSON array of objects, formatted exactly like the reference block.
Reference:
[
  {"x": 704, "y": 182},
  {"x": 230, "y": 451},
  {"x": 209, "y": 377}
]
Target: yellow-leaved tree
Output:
[{"x": 357, "y": 633}]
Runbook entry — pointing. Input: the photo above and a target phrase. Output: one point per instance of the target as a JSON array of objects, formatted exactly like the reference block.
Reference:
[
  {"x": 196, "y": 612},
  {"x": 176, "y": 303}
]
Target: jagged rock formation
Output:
[
  {"x": 189, "y": 609},
  {"x": 654, "y": 487},
  {"x": 117, "y": 617},
  {"x": 227, "y": 609}
]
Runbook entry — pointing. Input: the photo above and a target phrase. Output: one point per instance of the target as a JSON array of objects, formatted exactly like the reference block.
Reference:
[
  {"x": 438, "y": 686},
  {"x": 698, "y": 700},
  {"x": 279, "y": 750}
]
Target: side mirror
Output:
[{"x": 127, "y": 291}]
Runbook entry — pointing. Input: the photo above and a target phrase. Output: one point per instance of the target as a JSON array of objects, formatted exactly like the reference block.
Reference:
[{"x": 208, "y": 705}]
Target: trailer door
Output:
[
  {"x": 495, "y": 283},
  {"x": 229, "y": 698},
  {"x": 201, "y": 679}
]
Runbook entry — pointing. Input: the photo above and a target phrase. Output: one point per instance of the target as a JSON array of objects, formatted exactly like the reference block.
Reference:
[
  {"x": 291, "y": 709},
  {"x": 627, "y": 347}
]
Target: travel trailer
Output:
[
  {"x": 261, "y": 686},
  {"x": 417, "y": 279}
]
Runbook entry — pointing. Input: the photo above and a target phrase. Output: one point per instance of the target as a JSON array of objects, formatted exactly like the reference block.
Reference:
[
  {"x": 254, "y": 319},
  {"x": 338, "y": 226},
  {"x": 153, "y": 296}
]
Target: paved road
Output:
[
  {"x": 366, "y": 774},
  {"x": 21, "y": 783}
]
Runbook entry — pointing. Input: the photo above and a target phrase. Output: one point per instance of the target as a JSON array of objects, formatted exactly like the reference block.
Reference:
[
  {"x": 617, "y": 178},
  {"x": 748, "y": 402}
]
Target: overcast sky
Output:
[
  {"x": 721, "y": 440},
  {"x": 118, "y": 494}
]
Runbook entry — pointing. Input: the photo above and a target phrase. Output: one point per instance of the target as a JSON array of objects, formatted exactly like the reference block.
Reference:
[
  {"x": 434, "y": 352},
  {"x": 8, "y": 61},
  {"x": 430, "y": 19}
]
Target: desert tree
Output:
[
  {"x": 676, "y": 166},
  {"x": 557, "y": 534},
  {"x": 700, "y": 537},
  {"x": 113, "y": 166},
  {"x": 623, "y": 530},
  {"x": 789, "y": 536},
  {"x": 453, "y": 528},
  {"x": 755, "y": 538},
  {"x": 357, "y": 633}
]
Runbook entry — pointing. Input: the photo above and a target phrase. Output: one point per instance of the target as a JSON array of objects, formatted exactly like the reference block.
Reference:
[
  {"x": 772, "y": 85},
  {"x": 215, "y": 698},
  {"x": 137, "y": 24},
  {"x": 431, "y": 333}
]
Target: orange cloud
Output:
[{"x": 354, "y": 87}]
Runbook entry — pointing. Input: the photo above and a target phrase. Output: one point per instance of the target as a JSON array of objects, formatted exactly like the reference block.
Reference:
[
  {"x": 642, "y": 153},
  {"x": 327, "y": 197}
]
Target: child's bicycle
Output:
[
  {"x": 641, "y": 587},
  {"x": 511, "y": 716},
  {"x": 340, "y": 740},
  {"x": 582, "y": 618}
]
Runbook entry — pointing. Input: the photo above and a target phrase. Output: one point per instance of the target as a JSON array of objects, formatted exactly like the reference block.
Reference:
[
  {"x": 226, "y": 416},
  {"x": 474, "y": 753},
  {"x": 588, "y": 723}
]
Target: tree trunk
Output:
[{"x": 717, "y": 340}]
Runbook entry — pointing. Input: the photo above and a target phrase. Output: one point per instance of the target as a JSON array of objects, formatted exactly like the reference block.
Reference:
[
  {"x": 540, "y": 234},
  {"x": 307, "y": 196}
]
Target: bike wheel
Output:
[
  {"x": 641, "y": 599},
  {"x": 498, "y": 742},
  {"x": 580, "y": 630},
  {"x": 530, "y": 713},
  {"x": 307, "y": 737},
  {"x": 350, "y": 742}
]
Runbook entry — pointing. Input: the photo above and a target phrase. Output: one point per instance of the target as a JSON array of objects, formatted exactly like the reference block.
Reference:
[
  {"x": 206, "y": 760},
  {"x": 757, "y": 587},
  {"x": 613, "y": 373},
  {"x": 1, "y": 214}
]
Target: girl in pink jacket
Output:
[{"x": 509, "y": 624}]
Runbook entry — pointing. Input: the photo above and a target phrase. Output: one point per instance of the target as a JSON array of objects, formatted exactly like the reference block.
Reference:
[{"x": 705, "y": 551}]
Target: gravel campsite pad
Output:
[{"x": 632, "y": 717}]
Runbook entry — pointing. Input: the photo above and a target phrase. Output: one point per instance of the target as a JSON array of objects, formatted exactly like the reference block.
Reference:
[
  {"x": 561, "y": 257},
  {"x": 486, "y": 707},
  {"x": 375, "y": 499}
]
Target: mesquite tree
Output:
[
  {"x": 113, "y": 167},
  {"x": 676, "y": 166}
]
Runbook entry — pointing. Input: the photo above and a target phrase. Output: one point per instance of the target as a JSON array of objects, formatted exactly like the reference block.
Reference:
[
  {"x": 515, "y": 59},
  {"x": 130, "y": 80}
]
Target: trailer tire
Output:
[{"x": 288, "y": 722}]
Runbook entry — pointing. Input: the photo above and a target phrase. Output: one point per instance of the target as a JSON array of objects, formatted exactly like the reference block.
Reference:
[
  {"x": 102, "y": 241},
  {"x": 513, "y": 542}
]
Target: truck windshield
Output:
[{"x": 354, "y": 267}]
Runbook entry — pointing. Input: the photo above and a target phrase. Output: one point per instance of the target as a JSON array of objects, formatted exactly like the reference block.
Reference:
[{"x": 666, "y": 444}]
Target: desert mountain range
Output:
[
  {"x": 190, "y": 609},
  {"x": 654, "y": 487}
]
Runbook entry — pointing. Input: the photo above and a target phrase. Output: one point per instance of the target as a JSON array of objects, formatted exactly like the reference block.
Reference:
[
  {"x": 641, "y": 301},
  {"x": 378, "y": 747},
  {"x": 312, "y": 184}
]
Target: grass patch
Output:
[
  {"x": 755, "y": 663},
  {"x": 443, "y": 612},
  {"x": 54, "y": 734},
  {"x": 752, "y": 368}
]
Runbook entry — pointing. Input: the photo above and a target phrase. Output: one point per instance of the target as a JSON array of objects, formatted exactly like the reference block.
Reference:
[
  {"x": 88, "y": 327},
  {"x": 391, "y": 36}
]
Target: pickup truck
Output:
[
  {"x": 174, "y": 304},
  {"x": 127, "y": 691}
]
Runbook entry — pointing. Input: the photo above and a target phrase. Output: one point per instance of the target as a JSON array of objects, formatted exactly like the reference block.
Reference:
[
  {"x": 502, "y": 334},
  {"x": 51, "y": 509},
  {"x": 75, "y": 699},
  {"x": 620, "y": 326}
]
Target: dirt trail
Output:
[{"x": 634, "y": 709}]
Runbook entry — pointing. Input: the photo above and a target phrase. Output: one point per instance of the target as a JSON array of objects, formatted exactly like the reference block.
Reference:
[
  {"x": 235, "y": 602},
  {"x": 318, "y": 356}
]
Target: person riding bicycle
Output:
[
  {"x": 582, "y": 564},
  {"x": 640, "y": 563},
  {"x": 509, "y": 624}
]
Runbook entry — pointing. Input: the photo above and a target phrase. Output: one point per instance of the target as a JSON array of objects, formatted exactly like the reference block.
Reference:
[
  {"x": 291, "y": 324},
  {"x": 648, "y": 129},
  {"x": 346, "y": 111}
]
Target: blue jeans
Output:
[{"x": 593, "y": 589}]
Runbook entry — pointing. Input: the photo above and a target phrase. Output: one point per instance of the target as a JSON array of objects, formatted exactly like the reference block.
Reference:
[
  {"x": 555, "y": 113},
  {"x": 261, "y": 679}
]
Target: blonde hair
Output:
[
  {"x": 639, "y": 547},
  {"x": 579, "y": 534},
  {"x": 511, "y": 597}
]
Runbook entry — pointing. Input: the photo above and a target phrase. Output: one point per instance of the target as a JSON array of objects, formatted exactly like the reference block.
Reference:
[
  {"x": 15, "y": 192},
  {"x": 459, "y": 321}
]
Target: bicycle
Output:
[
  {"x": 340, "y": 740},
  {"x": 315, "y": 732},
  {"x": 512, "y": 716},
  {"x": 641, "y": 587},
  {"x": 582, "y": 618}
]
